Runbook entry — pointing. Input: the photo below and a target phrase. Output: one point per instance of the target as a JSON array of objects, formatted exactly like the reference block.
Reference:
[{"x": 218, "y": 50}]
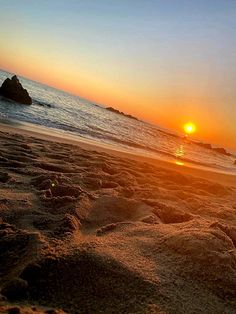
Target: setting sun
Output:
[
  {"x": 189, "y": 128},
  {"x": 117, "y": 156}
]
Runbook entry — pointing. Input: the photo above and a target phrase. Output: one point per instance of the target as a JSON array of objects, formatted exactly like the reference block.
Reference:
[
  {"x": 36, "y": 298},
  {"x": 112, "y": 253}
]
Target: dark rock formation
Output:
[
  {"x": 12, "y": 89},
  {"x": 121, "y": 113},
  {"x": 221, "y": 151},
  {"x": 205, "y": 145}
]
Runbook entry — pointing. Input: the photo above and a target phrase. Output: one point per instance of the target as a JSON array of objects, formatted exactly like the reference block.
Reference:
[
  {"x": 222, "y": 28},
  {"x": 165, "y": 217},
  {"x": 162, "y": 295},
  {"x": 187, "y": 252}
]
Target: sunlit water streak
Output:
[{"x": 70, "y": 114}]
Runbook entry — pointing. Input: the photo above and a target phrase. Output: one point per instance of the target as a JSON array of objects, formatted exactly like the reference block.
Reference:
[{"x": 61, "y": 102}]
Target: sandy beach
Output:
[{"x": 86, "y": 229}]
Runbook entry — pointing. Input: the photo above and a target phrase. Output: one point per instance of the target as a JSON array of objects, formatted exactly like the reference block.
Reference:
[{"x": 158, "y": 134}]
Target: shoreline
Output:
[
  {"x": 43, "y": 134},
  {"x": 126, "y": 233}
]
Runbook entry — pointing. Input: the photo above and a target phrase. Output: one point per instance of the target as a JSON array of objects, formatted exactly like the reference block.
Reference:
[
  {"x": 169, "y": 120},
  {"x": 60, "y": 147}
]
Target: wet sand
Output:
[{"x": 86, "y": 229}]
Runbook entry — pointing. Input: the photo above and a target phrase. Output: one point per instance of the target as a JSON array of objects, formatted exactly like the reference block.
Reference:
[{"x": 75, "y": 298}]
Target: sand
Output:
[{"x": 85, "y": 229}]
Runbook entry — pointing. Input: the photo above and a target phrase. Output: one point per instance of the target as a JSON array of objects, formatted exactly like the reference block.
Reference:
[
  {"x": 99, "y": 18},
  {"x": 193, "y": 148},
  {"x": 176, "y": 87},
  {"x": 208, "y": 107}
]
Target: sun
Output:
[{"x": 189, "y": 128}]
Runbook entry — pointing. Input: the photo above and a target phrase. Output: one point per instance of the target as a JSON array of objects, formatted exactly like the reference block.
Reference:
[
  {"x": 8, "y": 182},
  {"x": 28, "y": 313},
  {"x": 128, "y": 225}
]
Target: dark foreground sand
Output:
[{"x": 85, "y": 231}]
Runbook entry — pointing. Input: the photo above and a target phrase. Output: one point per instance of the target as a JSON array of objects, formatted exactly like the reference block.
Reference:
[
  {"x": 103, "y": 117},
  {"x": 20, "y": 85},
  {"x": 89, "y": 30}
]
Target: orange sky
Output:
[{"x": 165, "y": 69}]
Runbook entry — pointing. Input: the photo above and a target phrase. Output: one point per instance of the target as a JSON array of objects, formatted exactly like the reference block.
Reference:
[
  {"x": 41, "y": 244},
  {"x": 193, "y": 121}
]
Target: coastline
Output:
[
  {"x": 88, "y": 229},
  {"x": 44, "y": 133}
]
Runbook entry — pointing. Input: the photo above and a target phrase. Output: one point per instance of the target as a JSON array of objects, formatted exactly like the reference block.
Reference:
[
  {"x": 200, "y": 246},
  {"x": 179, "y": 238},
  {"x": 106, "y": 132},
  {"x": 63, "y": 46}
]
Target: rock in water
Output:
[{"x": 12, "y": 89}]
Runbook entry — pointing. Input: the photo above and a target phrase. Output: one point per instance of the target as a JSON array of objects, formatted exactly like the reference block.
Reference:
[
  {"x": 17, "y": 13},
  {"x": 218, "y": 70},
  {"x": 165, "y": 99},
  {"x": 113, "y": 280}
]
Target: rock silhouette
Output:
[
  {"x": 12, "y": 89},
  {"x": 221, "y": 151},
  {"x": 121, "y": 113}
]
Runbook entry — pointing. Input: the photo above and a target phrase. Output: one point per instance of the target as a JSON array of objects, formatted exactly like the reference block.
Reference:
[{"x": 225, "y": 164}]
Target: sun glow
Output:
[
  {"x": 179, "y": 163},
  {"x": 189, "y": 128}
]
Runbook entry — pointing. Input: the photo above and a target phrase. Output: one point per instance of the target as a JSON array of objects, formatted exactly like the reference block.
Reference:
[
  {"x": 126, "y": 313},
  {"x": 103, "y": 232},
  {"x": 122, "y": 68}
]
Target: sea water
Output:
[{"x": 68, "y": 114}]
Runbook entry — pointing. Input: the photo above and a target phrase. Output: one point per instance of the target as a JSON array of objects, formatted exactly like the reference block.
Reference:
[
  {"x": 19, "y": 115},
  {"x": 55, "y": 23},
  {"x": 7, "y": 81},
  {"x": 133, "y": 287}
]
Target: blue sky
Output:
[{"x": 150, "y": 58}]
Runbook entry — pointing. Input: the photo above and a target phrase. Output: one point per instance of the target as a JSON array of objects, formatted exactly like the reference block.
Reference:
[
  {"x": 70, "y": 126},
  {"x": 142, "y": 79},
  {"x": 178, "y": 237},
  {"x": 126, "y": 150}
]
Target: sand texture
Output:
[{"x": 84, "y": 231}]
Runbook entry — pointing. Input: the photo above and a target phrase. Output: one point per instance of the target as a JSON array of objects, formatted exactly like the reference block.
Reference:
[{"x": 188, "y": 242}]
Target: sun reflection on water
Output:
[
  {"x": 179, "y": 153},
  {"x": 179, "y": 163}
]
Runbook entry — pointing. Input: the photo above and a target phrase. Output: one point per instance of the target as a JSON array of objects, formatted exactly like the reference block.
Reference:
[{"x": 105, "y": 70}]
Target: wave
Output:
[
  {"x": 34, "y": 102},
  {"x": 41, "y": 103},
  {"x": 129, "y": 144},
  {"x": 66, "y": 113}
]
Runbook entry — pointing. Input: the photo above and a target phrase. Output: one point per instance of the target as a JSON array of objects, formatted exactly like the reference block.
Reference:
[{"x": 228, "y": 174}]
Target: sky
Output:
[{"x": 165, "y": 61}]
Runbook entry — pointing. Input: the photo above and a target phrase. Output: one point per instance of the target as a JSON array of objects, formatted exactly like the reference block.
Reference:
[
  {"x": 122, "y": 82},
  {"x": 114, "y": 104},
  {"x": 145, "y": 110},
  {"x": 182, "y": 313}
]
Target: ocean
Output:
[{"x": 64, "y": 113}]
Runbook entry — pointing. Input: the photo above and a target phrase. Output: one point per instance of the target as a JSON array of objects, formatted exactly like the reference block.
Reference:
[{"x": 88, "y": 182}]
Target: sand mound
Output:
[
  {"x": 84, "y": 284},
  {"x": 209, "y": 255},
  {"x": 170, "y": 214},
  {"x": 109, "y": 209},
  {"x": 15, "y": 243}
]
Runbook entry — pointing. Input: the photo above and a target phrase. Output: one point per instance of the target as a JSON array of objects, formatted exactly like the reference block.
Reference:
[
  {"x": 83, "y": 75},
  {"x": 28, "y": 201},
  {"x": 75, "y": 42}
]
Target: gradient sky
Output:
[{"x": 165, "y": 61}]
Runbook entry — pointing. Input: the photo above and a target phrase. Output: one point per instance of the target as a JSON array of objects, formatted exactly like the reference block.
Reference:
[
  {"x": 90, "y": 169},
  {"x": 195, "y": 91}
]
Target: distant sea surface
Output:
[{"x": 65, "y": 113}]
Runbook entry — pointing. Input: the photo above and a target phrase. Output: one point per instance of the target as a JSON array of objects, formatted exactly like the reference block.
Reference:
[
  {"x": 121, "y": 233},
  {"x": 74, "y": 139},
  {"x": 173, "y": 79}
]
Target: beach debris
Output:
[{"x": 12, "y": 89}]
